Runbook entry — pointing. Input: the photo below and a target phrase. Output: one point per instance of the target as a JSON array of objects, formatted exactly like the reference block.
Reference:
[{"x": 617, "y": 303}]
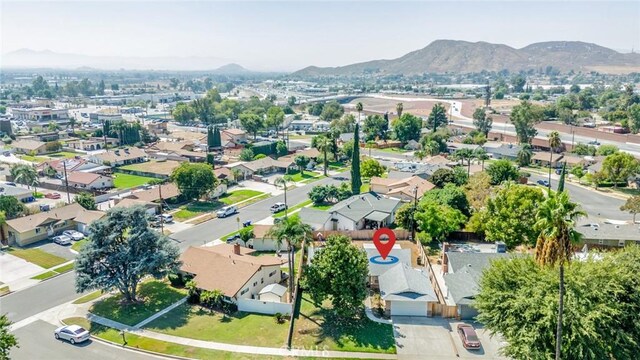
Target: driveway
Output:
[
  {"x": 436, "y": 338},
  {"x": 13, "y": 268}
]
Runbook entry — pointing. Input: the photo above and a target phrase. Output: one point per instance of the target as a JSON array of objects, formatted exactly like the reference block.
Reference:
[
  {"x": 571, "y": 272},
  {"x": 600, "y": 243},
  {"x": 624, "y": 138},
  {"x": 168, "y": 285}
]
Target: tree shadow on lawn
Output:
[
  {"x": 363, "y": 334},
  {"x": 204, "y": 206},
  {"x": 153, "y": 296}
]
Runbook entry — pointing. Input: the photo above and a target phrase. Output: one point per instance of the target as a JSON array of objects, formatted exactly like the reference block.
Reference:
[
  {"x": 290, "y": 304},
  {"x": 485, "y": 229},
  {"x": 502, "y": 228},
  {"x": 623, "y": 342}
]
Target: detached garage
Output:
[{"x": 406, "y": 291}]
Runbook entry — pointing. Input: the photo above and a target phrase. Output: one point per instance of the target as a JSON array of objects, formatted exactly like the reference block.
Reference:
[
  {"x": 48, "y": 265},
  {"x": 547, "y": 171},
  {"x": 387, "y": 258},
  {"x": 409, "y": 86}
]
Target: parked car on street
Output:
[
  {"x": 166, "y": 218},
  {"x": 62, "y": 240},
  {"x": 71, "y": 333},
  {"x": 543, "y": 183},
  {"x": 52, "y": 196},
  {"x": 227, "y": 211},
  {"x": 74, "y": 235},
  {"x": 469, "y": 337},
  {"x": 277, "y": 207},
  {"x": 232, "y": 239}
]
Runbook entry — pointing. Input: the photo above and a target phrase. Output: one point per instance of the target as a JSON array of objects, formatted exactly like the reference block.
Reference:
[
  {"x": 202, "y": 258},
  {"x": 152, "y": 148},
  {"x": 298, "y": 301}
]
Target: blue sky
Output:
[{"x": 270, "y": 35}]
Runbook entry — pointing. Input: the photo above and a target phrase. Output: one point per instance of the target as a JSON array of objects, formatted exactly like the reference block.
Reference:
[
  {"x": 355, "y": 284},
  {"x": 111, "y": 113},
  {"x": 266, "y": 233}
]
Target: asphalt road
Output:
[
  {"x": 37, "y": 342},
  {"x": 214, "y": 229},
  {"x": 38, "y": 298}
]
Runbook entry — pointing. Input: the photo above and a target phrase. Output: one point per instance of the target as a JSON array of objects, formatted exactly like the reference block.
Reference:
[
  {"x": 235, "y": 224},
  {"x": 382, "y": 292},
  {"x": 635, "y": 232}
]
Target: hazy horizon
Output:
[{"x": 286, "y": 36}]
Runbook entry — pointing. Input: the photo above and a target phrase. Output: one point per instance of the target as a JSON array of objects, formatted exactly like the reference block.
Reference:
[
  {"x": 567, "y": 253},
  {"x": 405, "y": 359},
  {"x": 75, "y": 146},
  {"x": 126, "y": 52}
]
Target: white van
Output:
[
  {"x": 277, "y": 207},
  {"x": 227, "y": 211}
]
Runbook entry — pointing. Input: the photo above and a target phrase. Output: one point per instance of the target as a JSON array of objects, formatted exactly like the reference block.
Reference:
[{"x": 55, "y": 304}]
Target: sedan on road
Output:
[
  {"x": 52, "y": 196},
  {"x": 543, "y": 183},
  {"x": 468, "y": 336},
  {"x": 71, "y": 333},
  {"x": 62, "y": 240}
]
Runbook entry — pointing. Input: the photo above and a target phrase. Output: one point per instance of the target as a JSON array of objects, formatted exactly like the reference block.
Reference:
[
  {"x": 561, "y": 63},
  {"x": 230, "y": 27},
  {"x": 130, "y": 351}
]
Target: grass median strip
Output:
[
  {"x": 237, "y": 196},
  {"x": 45, "y": 275},
  {"x": 38, "y": 257},
  {"x": 89, "y": 297},
  {"x": 4, "y": 290},
  {"x": 79, "y": 244},
  {"x": 64, "y": 268}
]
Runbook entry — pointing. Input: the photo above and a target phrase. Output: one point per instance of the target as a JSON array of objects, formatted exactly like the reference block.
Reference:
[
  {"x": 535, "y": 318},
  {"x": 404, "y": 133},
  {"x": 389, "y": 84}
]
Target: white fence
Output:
[{"x": 264, "y": 307}]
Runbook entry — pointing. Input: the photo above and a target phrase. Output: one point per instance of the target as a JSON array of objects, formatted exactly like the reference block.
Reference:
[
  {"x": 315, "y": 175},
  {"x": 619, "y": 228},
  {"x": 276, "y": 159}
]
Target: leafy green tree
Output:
[
  {"x": 463, "y": 155},
  {"x": 442, "y": 176},
  {"x": 344, "y": 125},
  {"x": 407, "y": 127},
  {"x": 281, "y": 149},
  {"x": 478, "y": 190},
  {"x": 481, "y": 155},
  {"x": 210, "y": 139},
  {"x": 293, "y": 232},
  {"x": 338, "y": 273},
  {"x": 399, "y": 108},
  {"x": 518, "y": 82},
  {"x": 578, "y": 172},
  {"x": 524, "y": 117},
  {"x": 437, "y": 117},
  {"x": 555, "y": 221},
  {"x": 460, "y": 176},
  {"x": 451, "y": 195},
  {"x": 275, "y": 118},
  {"x": 509, "y": 215},
  {"x": 7, "y": 339},
  {"x": 619, "y": 167},
  {"x": 318, "y": 194},
  {"x": 356, "y": 181},
  {"x": 121, "y": 251},
  {"x": 404, "y": 216},
  {"x": 632, "y": 205},
  {"x": 301, "y": 161},
  {"x": 600, "y": 295},
  {"x": 435, "y": 143},
  {"x": 331, "y": 111},
  {"x": 437, "y": 221},
  {"x": 583, "y": 149},
  {"x": 251, "y": 122},
  {"x": 246, "y": 154},
  {"x": 634, "y": 118},
  {"x": 375, "y": 127},
  {"x": 292, "y": 100},
  {"x": 606, "y": 150},
  {"x": 524, "y": 156},
  {"x": 217, "y": 140},
  {"x": 501, "y": 171},
  {"x": 12, "y": 207},
  {"x": 482, "y": 122},
  {"x": 246, "y": 234},
  {"x": 194, "y": 179},
  {"x": 86, "y": 200},
  {"x": 259, "y": 156},
  {"x": 371, "y": 167}
]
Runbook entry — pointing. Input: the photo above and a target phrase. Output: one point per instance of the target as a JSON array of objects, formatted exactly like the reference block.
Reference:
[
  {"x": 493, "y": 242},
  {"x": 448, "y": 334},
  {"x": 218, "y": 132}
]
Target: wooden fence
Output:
[
  {"x": 295, "y": 302},
  {"x": 441, "y": 308}
]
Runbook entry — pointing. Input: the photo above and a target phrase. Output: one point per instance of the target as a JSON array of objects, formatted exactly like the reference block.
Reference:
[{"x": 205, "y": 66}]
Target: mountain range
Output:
[
  {"x": 27, "y": 58},
  {"x": 454, "y": 56}
]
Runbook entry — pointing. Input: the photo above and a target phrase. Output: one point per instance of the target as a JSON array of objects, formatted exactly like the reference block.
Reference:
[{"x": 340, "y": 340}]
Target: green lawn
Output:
[
  {"x": 322, "y": 207},
  {"x": 64, "y": 268},
  {"x": 4, "y": 290},
  {"x": 237, "y": 196},
  {"x": 35, "y": 159},
  {"x": 38, "y": 257},
  {"x": 318, "y": 327},
  {"x": 196, "y": 208},
  {"x": 89, "y": 297},
  {"x": 393, "y": 150},
  {"x": 156, "y": 296},
  {"x": 144, "y": 343},
  {"x": 79, "y": 244},
  {"x": 364, "y": 188},
  {"x": 126, "y": 181},
  {"x": 239, "y": 328},
  {"x": 291, "y": 209},
  {"x": 45, "y": 275},
  {"x": 296, "y": 176},
  {"x": 64, "y": 154},
  {"x": 234, "y": 233}
]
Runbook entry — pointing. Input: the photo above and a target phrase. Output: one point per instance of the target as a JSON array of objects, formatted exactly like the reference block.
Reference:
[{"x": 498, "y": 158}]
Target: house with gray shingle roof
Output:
[{"x": 406, "y": 291}]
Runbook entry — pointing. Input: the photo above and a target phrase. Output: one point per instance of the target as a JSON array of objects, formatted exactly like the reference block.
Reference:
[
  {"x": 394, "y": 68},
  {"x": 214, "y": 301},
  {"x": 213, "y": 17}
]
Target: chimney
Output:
[{"x": 236, "y": 249}]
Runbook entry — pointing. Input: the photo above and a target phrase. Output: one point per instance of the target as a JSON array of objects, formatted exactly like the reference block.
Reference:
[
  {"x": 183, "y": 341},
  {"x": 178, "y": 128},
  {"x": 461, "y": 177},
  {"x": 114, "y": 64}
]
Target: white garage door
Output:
[{"x": 408, "y": 308}]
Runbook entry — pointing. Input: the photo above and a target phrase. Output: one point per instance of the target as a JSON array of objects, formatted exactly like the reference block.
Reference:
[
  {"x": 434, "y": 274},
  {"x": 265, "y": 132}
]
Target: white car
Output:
[
  {"x": 277, "y": 207},
  {"x": 227, "y": 211},
  {"x": 62, "y": 240},
  {"x": 71, "y": 333},
  {"x": 75, "y": 235}
]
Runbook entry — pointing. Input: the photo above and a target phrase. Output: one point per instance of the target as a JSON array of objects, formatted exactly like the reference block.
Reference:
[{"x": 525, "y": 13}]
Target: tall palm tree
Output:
[
  {"x": 555, "y": 220},
  {"x": 481, "y": 155},
  {"x": 293, "y": 232},
  {"x": 25, "y": 174},
  {"x": 282, "y": 182},
  {"x": 462, "y": 155},
  {"x": 399, "y": 108},
  {"x": 72, "y": 124},
  {"x": 359, "y": 109},
  {"x": 554, "y": 144},
  {"x": 322, "y": 143}
]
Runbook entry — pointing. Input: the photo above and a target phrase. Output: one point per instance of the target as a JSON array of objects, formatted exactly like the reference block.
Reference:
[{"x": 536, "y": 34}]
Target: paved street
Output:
[{"x": 37, "y": 342}]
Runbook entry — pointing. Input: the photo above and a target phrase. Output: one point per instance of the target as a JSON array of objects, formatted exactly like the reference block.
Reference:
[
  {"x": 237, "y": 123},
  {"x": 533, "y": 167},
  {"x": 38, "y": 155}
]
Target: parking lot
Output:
[{"x": 436, "y": 338}]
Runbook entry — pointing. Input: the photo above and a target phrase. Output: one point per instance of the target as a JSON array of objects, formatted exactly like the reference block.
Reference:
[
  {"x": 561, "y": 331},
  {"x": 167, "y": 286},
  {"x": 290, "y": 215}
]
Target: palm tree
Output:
[
  {"x": 481, "y": 155},
  {"x": 282, "y": 181},
  {"x": 554, "y": 143},
  {"x": 3, "y": 221},
  {"x": 72, "y": 124},
  {"x": 555, "y": 220},
  {"x": 464, "y": 154},
  {"x": 524, "y": 155},
  {"x": 359, "y": 109},
  {"x": 25, "y": 174},
  {"x": 322, "y": 143},
  {"x": 293, "y": 232},
  {"x": 399, "y": 108}
]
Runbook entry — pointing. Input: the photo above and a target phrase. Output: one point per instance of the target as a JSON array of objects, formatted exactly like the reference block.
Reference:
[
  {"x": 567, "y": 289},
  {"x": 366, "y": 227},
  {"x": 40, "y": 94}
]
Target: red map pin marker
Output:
[{"x": 384, "y": 248}]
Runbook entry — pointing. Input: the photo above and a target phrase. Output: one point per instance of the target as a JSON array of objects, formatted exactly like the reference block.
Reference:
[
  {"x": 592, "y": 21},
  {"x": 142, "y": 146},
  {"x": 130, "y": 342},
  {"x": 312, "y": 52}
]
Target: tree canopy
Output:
[
  {"x": 375, "y": 127},
  {"x": 501, "y": 171},
  {"x": 407, "y": 127},
  {"x": 194, "y": 179},
  {"x": 370, "y": 167},
  {"x": 481, "y": 121},
  {"x": 86, "y": 200},
  {"x": 437, "y": 117},
  {"x": 121, "y": 250},
  {"x": 618, "y": 167},
  {"x": 524, "y": 117}
]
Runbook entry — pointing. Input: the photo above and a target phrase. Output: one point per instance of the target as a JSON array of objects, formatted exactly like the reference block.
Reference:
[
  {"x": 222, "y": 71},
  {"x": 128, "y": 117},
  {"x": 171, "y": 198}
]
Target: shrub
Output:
[
  {"x": 279, "y": 318},
  {"x": 176, "y": 280}
]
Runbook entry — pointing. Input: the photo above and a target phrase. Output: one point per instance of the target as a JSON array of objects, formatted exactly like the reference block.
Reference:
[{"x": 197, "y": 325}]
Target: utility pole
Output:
[
  {"x": 66, "y": 180},
  {"x": 104, "y": 135},
  {"x": 413, "y": 220},
  {"x": 161, "y": 212}
]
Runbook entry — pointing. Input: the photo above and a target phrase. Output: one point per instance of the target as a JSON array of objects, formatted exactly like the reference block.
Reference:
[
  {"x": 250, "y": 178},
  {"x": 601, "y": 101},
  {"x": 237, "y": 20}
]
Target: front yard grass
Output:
[
  {"x": 64, "y": 268},
  {"x": 89, "y": 297},
  {"x": 64, "y": 154},
  {"x": 393, "y": 150},
  {"x": 196, "y": 208},
  {"x": 195, "y": 322},
  {"x": 35, "y": 159},
  {"x": 317, "y": 327},
  {"x": 140, "y": 342},
  {"x": 45, "y": 275},
  {"x": 364, "y": 188},
  {"x": 126, "y": 181},
  {"x": 155, "y": 296},
  {"x": 38, "y": 257},
  {"x": 79, "y": 244},
  {"x": 237, "y": 196},
  {"x": 322, "y": 206},
  {"x": 296, "y": 176}
]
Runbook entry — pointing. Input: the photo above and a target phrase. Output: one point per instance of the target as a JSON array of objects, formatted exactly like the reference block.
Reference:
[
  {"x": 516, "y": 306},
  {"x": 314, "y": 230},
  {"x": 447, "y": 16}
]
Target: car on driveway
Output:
[
  {"x": 469, "y": 337},
  {"x": 71, "y": 333},
  {"x": 62, "y": 240},
  {"x": 52, "y": 196},
  {"x": 74, "y": 235},
  {"x": 277, "y": 207},
  {"x": 227, "y": 211},
  {"x": 543, "y": 183}
]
